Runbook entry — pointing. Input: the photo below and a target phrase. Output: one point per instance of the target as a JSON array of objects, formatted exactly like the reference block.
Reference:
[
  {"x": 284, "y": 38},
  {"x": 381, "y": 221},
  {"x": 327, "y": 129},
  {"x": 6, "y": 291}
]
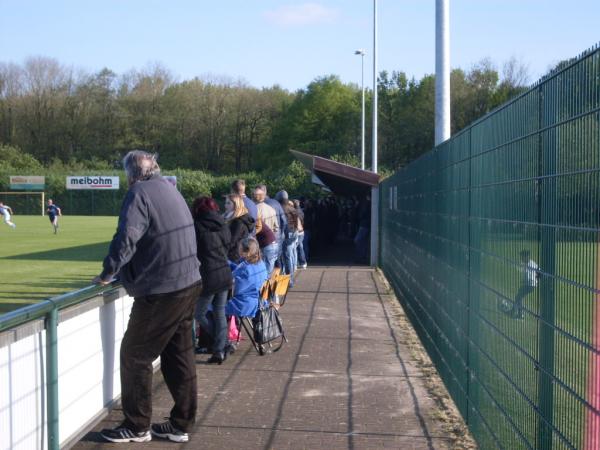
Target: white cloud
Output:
[{"x": 304, "y": 14}]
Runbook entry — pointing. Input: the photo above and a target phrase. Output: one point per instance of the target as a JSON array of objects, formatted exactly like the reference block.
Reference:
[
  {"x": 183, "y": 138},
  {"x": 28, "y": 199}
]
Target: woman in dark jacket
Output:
[
  {"x": 241, "y": 224},
  {"x": 212, "y": 238}
]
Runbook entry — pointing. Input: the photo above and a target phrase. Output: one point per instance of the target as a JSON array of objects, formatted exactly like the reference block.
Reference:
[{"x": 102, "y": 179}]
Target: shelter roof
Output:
[{"x": 339, "y": 178}]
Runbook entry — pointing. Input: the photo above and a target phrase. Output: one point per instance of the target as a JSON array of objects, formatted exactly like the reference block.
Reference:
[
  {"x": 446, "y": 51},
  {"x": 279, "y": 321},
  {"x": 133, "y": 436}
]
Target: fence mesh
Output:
[
  {"x": 71, "y": 202},
  {"x": 29, "y": 203},
  {"x": 91, "y": 202},
  {"x": 492, "y": 242}
]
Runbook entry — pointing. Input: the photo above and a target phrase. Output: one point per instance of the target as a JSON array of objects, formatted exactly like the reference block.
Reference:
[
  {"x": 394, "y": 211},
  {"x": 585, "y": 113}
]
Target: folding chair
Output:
[
  {"x": 266, "y": 333},
  {"x": 279, "y": 288},
  {"x": 275, "y": 288}
]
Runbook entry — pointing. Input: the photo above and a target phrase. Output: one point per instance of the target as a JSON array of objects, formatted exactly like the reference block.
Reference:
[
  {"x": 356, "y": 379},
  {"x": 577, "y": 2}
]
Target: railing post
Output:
[{"x": 52, "y": 378}]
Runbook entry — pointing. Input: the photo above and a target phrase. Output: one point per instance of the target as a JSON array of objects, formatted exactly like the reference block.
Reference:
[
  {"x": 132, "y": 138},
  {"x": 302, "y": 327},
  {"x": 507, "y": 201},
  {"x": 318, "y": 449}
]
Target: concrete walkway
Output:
[{"x": 344, "y": 381}]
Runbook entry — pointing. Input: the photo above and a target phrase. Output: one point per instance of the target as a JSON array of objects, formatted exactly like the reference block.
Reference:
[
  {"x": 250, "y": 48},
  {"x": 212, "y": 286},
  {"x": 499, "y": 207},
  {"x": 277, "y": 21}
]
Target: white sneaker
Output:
[
  {"x": 302, "y": 266},
  {"x": 124, "y": 434}
]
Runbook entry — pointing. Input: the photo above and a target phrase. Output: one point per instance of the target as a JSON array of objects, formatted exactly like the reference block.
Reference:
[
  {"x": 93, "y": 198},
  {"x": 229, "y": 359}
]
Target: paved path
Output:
[{"x": 344, "y": 381}]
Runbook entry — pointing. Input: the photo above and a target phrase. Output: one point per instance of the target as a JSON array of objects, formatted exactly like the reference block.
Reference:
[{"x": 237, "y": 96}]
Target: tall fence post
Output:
[
  {"x": 471, "y": 362},
  {"x": 52, "y": 378},
  {"x": 548, "y": 215}
]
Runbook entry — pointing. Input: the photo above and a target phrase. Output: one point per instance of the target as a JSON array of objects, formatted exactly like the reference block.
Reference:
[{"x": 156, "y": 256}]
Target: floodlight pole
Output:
[
  {"x": 375, "y": 190},
  {"x": 374, "y": 150},
  {"x": 442, "y": 71},
  {"x": 362, "y": 53}
]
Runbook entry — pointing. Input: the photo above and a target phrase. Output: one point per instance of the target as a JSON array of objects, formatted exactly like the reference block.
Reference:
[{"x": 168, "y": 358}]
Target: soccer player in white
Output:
[
  {"x": 529, "y": 280},
  {"x": 6, "y": 211}
]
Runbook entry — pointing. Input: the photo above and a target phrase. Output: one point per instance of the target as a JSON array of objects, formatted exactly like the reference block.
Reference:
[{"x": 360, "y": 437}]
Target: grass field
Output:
[
  {"x": 36, "y": 264},
  {"x": 574, "y": 281}
]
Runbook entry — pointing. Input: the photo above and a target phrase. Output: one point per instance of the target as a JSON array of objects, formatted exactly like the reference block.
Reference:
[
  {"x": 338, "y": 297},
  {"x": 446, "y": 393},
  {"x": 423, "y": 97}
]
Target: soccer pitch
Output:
[{"x": 36, "y": 264}]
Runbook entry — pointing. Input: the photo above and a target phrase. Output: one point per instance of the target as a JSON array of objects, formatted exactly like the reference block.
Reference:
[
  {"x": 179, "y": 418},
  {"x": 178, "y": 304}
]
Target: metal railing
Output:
[
  {"x": 48, "y": 310},
  {"x": 492, "y": 241}
]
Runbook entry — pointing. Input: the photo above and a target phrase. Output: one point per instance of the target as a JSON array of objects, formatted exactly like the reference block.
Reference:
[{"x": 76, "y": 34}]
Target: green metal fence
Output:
[{"x": 505, "y": 213}]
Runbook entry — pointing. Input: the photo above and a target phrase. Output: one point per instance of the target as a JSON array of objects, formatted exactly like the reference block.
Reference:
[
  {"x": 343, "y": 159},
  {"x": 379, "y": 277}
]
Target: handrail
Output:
[
  {"x": 48, "y": 310},
  {"x": 41, "y": 309}
]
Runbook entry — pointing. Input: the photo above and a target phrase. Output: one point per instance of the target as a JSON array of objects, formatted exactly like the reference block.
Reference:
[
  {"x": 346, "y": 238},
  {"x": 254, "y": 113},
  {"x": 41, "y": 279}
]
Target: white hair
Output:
[{"x": 140, "y": 165}]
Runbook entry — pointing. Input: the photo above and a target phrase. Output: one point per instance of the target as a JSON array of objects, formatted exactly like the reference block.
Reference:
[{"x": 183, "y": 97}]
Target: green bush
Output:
[
  {"x": 191, "y": 183},
  {"x": 13, "y": 159}
]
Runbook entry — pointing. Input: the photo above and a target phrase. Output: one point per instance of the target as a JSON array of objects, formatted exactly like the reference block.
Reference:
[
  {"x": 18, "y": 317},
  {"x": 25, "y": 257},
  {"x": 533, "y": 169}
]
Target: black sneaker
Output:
[
  {"x": 230, "y": 349},
  {"x": 124, "y": 434},
  {"x": 166, "y": 430}
]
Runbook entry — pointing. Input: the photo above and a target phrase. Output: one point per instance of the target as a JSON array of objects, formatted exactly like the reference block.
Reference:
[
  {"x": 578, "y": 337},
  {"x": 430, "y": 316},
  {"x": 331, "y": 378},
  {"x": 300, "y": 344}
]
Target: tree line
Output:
[{"x": 60, "y": 114}]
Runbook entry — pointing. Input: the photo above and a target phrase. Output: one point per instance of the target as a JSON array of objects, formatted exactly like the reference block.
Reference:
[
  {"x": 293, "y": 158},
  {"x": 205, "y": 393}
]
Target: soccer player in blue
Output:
[{"x": 53, "y": 213}]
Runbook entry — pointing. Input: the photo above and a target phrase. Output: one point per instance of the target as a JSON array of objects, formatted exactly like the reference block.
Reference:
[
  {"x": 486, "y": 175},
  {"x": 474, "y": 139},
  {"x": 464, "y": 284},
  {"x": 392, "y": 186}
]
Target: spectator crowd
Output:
[{"x": 189, "y": 269}]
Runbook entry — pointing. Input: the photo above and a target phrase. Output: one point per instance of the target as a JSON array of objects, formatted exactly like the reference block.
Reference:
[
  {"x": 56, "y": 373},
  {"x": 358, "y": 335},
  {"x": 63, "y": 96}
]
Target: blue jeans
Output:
[
  {"x": 270, "y": 254},
  {"x": 217, "y": 327},
  {"x": 306, "y": 245},
  {"x": 280, "y": 247},
  {"x": 290, "y": 254},
  {"x": 301, "y": 253}
]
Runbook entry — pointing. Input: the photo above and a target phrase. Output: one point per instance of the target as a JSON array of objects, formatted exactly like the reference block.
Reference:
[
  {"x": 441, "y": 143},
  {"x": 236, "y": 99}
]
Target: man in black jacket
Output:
[{"x": 153, "y": 253}]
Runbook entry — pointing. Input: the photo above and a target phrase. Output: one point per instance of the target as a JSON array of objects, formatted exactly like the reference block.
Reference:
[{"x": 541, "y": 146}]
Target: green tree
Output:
[
  {"x": 407, "y": 118},
  {"x": 140, "y": 100},
  {"x": 12, "y": 158},
  {"x": 215, "y": 124},
  {"x": 323, "y": 119}
]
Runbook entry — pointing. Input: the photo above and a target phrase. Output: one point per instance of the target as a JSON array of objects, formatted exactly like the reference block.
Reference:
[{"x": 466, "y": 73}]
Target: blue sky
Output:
[{"x": 288, "y": 42}]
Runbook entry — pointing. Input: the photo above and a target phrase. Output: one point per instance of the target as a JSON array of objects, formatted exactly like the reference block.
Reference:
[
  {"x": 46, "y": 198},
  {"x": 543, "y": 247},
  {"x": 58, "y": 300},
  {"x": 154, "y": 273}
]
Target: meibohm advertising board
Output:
[{"x": 92, "y": 182}]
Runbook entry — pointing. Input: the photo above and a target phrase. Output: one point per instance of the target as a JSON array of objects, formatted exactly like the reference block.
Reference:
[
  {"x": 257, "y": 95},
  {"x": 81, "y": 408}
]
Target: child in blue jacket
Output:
[{"x": 248, "y": 277}]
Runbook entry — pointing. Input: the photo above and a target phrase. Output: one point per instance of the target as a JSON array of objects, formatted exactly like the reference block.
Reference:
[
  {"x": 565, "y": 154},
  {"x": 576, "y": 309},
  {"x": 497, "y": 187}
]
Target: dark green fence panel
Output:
[
  {"x": 492, "y": 242},
  {"x": 92, "y": 202}
]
